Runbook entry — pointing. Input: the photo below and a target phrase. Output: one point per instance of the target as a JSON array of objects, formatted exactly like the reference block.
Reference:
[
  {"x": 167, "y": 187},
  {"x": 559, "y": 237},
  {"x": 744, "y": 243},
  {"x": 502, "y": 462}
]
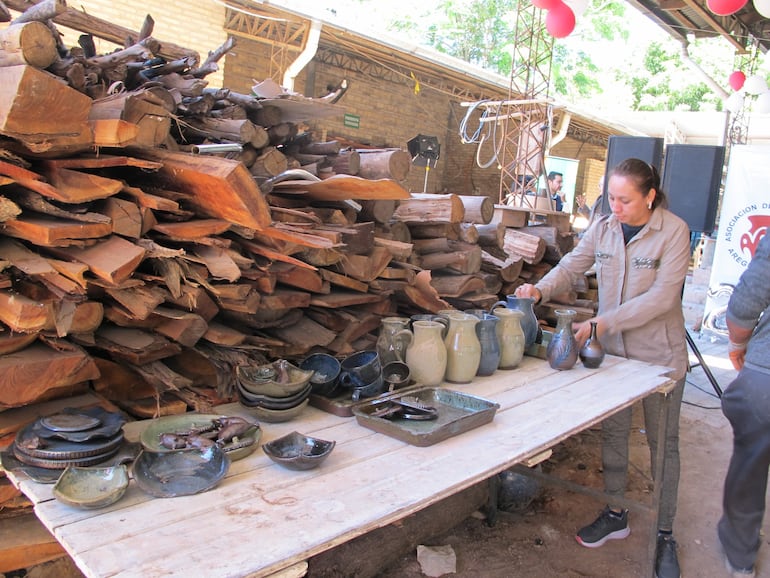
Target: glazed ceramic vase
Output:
[
  {"x": 462, "y": 347},
  {"x": 426, "y": 356},
  {"x": 592, "y": 352},
  {"x": 486, "y": 331},
  {"x": 510, "y": 337},
  {"x": 528, "y": 321},
  {"x": 562, "y": 351},
  {"x": 393, "y": 339}
]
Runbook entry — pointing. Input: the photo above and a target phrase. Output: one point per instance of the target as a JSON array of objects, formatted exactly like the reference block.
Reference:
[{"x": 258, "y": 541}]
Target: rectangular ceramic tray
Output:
[{"x": 457, "y": 413}]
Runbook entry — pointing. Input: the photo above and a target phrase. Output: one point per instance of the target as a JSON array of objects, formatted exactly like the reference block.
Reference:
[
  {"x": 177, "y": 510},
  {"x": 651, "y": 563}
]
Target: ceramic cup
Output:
[
  {"x": 326, "y": 370},
  {"x": 360, "y": 369},
  {"x": 369, "y": 390},
  {"x": 396, "y": 374}
]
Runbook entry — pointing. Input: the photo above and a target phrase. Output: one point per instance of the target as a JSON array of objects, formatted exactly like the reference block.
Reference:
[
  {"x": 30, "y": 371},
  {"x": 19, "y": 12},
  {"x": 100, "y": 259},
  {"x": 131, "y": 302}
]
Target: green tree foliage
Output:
[{"x": 605, "y": 59}]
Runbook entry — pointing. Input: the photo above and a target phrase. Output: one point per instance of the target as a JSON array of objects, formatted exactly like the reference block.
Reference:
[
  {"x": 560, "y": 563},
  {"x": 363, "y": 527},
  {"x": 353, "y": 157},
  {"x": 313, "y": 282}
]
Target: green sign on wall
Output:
[{"x": 352, "y": 121}]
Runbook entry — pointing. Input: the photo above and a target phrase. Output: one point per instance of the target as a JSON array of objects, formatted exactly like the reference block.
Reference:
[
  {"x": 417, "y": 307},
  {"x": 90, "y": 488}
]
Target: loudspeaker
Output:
[
  {"x": 619, "y": 148},
  {"x": 692, "y": 175}
]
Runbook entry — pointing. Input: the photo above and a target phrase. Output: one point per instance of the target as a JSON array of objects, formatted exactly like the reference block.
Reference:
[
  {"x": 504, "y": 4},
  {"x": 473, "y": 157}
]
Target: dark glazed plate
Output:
[
  {"x": 64, "y": 424},
  {"x": 298, "y": 452},
  {"x": 180, "y": 472}
]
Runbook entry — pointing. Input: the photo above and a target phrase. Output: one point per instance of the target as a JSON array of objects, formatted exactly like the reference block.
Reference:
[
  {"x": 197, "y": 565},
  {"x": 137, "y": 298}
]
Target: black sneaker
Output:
[
  {"x": 666, "y": 562},
  {"x": 608, "y": 526}
]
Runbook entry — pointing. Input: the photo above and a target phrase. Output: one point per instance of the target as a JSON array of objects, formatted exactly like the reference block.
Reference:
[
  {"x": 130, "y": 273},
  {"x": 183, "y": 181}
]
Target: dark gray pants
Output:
[
  {"x": 746, "y": 403},
  {"x": 615, "y": 432}
]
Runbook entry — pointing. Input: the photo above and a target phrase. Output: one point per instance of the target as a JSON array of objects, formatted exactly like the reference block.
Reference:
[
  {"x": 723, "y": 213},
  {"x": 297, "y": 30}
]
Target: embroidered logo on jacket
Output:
[{"x": 645, "y": 263}]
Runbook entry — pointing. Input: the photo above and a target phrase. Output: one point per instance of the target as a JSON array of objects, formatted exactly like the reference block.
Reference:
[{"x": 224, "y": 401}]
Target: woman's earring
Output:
[{"x": 649, "y": 206}]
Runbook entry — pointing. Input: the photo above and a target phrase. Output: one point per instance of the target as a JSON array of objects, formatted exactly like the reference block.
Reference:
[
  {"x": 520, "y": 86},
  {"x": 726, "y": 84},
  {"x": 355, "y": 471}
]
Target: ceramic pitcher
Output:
[
  {"x": 562, "y": 351},
  {"x": 426, "y": 356},
  {"x": 393, "y": 339},
  {"x": 462, "y": 347},
  {"x": 510, "y": 337},
  {"x": 486, "y": 331},
  {"x": 528, "y": 321}
]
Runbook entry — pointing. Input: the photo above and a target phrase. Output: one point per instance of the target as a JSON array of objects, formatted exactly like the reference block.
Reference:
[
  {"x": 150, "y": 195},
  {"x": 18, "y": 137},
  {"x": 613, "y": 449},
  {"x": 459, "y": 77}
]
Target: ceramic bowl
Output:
[
  {"x": 326, "y": 371},
  {"x": 298, "y": 452},
  {"x": 91, "y": 487},
  {"x": 180, "y": 472},
  {"x": 275, "y": 415},
  {"x": 277, "y": 379},
  {"x": 274, "y": 402}
]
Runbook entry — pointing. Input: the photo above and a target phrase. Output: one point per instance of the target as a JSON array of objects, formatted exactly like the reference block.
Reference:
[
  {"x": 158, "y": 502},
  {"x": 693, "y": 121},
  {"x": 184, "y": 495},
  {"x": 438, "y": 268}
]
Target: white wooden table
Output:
[{"x": 262, "y": 518}]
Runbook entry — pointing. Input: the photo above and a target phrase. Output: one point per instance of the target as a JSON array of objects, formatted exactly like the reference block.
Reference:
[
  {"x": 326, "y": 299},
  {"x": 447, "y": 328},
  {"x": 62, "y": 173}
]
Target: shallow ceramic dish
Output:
[
  {"x": 297, "y": 451},
  {"x": 180, "y": 472},
  {"x": 236, "y": 449},
  {"x": 277, "y": 379},
  {"x": 275, "y": 415},
  {"x": 91, "y": 488}
]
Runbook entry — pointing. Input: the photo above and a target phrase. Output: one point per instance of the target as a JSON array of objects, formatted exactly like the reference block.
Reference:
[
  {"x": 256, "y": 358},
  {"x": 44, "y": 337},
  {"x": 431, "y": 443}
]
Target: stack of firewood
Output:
[{"x": 141, "y": 260}]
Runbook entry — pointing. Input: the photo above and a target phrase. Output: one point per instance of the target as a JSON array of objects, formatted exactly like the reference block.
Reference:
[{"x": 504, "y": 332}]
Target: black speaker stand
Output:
[{"x": 702, "y": 363}]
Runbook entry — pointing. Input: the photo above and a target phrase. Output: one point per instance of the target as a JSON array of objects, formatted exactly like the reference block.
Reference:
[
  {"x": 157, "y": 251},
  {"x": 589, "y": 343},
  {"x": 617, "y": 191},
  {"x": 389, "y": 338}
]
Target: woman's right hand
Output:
[{"x": 528, "y": 290}]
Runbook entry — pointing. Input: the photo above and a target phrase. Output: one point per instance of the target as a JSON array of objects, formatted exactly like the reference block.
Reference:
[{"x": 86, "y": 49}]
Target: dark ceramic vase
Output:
[
  {"x": 562, "y": 351},
  {"x": 592, "y": 352},
  {"x": 486, "y": 331}
]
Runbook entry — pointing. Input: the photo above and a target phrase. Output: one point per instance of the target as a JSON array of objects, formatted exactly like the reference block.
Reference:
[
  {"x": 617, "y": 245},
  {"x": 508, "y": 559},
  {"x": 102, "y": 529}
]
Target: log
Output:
[
  {"x": 42, "y": 112},
  {"x": 434, "y": 245},
  {"x": 280, "y": 133},
  {"x": 366, "y": 267},
  {"x": 467, "y": 261},
  {"x": 266, "y": 116},
  {"x": 432, "y": 230},
  {"x": 468, "y": 232},
  {"x": 8, "y": 209},
  {"x": 29, "y": 43},
  {"x": 183, "y": 327},
  {"x": 377, "y": 211},
  {"x": 39, "y": 372},
  {"x": 511, "y": 216},
  {"x": 389, "y": 164},
  {"x": 530, "y": 247},
  {"x": 134, "y": 345},
  {"x": 423, "y": 207},
  {"x": 233, "y": 130},
  {"x": 125, "y": 216},
  {"x": 270, "y": 163},
  {"x": 492, "y": 234},
  {"x": 456, "y": 285},
  {"x": 508, "y": 269},
  {"x": 320, "y": 148},
  {"x": 40, "y": 12},
  {"x": 478, "y": 209},
  {"x": 347, "y": 162},
  {"x": 23, "y": 314}
]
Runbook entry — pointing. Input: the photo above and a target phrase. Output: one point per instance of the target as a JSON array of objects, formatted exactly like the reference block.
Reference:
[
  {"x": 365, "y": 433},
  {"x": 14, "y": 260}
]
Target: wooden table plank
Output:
[{"x": 263, "y": 518}]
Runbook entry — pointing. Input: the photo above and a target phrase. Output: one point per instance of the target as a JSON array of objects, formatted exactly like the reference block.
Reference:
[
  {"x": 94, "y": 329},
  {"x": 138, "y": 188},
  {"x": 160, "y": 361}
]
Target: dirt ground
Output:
[{"x": 538, "y": 541}]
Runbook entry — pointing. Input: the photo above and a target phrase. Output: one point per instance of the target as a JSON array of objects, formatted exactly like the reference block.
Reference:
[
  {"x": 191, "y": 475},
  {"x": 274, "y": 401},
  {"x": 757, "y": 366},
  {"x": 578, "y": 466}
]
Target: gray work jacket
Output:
[{"x": 640, "y": 286}]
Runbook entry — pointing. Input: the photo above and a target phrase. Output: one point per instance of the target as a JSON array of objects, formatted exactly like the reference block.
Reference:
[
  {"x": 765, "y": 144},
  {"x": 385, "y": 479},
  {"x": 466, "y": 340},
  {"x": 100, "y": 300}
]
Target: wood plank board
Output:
[
  {"x": 538, "y": 408},
  {"x": 216, "y": 186},
  {"x": 347, "y": 187}
]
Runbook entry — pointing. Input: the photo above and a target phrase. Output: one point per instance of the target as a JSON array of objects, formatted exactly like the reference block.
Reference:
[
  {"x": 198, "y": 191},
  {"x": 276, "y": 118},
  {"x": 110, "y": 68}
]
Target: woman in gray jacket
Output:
[{"x": 641, "y": 254}]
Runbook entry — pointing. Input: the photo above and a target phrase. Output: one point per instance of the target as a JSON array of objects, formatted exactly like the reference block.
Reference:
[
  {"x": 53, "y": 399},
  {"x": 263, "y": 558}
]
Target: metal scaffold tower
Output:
[
  {"x": 519, "y": 128},
  {"x": 527, "y": 114}
]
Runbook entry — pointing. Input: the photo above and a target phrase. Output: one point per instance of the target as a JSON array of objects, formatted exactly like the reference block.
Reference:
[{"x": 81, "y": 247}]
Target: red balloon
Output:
[
  {"x": 544, "y": 4},
  {"x": 560, "y": 20},
  {"x": 736, "y": 80},
  {"x": 725, "y": 7}
]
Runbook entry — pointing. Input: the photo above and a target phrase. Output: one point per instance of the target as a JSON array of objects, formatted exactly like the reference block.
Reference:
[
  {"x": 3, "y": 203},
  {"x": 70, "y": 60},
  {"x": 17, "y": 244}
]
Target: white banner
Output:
[{"x": 743, "y": 220}]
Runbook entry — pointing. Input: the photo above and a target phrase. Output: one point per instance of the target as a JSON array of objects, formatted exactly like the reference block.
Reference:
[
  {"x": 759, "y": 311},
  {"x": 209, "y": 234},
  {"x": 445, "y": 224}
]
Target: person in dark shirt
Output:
[{"x": 555, "y": 182}]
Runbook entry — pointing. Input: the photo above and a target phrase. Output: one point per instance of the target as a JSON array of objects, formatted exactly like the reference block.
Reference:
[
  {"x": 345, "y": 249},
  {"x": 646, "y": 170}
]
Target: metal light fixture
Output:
[{"x": 425, "y": 151}]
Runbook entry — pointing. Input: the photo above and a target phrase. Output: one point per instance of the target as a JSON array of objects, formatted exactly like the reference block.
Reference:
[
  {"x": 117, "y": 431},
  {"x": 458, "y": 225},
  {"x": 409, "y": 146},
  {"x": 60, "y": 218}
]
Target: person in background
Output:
[
  {"x": 746, "y": 404},
  {"x": 596, "y": 208},
  {"x": 641, "y": 253},
  {"x": 555, "y": 182}
]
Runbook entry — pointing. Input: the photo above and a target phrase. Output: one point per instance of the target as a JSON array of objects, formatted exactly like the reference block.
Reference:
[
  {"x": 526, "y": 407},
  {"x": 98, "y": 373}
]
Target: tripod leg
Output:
[{"x": 702, "y": 363}]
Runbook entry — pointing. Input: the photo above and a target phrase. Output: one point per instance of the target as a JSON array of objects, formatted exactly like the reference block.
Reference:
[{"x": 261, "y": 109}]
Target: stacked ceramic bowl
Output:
[
  {"x": 274, "y": 392},
  {"x": 73, "y": 437}
]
